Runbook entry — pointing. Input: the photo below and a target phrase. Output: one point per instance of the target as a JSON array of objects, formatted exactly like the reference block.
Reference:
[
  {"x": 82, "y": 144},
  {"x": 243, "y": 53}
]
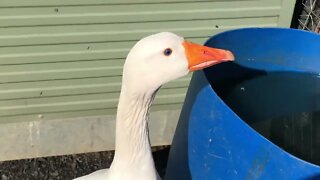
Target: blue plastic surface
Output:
[{"x": 211, "y": 141}]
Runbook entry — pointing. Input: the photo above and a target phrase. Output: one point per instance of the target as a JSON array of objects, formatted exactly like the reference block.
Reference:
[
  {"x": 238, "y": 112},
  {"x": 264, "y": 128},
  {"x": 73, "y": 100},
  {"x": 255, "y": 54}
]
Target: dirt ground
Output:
[{"x": 69, "y": 166}]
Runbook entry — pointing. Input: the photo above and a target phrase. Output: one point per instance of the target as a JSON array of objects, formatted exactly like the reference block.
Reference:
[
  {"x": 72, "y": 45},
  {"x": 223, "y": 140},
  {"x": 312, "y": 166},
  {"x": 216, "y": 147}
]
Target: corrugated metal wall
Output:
[{"x": 63, "y": 59}]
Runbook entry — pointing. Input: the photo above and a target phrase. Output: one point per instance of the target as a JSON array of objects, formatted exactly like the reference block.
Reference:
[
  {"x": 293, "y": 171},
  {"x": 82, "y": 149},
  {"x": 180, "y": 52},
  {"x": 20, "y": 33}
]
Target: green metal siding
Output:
[
  {"x": 58, "y": 56},
  {"x": 63, "y": 59}
]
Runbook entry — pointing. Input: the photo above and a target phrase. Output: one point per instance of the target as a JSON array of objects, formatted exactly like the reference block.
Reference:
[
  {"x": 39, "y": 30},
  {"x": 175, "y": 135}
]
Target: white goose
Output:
[{"x": 152, "y": 62}]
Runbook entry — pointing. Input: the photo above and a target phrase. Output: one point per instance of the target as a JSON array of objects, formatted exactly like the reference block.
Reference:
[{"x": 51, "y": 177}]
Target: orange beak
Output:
[{"x": 200, "y": 57}]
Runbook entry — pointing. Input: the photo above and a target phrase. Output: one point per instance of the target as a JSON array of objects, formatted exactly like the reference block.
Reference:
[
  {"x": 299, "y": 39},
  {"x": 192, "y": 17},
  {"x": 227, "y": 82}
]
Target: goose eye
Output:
[{"x": 167, "y": 52}]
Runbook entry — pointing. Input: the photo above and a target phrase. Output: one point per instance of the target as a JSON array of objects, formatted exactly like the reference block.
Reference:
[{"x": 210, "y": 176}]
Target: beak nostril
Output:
[{"x": 205, "y": 52}]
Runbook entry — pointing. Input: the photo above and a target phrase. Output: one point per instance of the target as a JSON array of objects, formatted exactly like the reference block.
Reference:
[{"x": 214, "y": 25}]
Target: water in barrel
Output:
[{"x": 282, "y": 106}]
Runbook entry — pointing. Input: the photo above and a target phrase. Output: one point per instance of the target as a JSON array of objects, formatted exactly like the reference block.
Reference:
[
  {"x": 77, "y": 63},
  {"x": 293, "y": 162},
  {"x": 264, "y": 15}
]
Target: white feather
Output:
[{"x": 145, "y": 70}]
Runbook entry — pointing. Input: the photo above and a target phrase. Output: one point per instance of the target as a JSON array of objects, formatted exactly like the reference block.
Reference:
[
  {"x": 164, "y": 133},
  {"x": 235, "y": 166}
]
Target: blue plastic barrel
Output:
[{"x": 275, "y": 75}]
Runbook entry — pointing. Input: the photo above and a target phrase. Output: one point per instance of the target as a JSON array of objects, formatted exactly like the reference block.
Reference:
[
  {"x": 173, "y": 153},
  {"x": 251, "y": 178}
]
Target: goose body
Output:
[{"x": 152, "y": 62}]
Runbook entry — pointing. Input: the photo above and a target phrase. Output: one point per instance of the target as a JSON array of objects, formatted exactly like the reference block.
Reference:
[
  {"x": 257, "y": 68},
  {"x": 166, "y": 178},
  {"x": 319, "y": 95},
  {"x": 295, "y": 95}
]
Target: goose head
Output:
[{"x": 163, "y": 57}]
